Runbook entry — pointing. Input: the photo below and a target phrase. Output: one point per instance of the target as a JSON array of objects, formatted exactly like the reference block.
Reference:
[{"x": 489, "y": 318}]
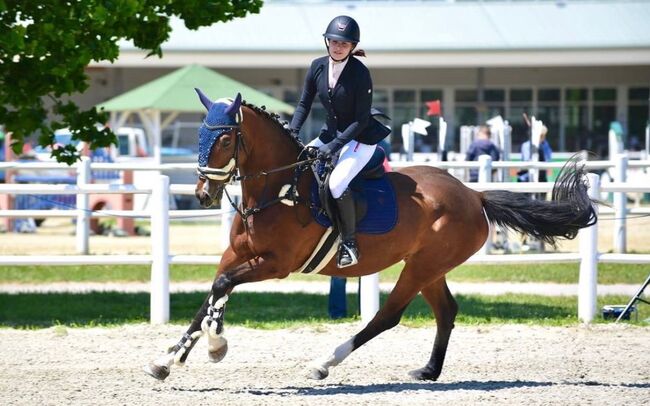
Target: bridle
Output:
[{"x": 226, "y": 174}]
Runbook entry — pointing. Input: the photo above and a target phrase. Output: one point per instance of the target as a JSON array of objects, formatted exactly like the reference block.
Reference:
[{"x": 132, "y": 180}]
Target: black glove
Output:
[
  {"x": 294, "y": 132},
  {"x": 325, "y": 152}
]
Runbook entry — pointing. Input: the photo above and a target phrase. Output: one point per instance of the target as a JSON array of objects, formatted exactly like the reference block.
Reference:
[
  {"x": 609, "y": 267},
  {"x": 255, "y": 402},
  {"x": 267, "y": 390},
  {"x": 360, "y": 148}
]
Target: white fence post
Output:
[
  {"x": 227, "y": 214},
  {"x": 588, "y": 279},
  {"x": 620, "y": 205},
  {"x": 485, "y": 175},
  {"x": 159, "y": 312},
  {"x": 369, "y": 297},
  {"x": 83, "y": 207}
]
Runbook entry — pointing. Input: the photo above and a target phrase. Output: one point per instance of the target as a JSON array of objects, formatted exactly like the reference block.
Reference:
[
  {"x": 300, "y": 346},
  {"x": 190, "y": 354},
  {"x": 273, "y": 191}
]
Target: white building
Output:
[{"x": 577, "y": 65}]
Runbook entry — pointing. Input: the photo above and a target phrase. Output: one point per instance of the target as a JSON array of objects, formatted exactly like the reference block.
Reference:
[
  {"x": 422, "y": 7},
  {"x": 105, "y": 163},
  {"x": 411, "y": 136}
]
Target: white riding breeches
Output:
[{"x": 351, "y": 159}]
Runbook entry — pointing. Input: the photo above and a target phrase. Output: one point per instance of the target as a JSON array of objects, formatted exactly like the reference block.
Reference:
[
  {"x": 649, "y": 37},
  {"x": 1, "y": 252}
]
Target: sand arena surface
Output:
[{"x": 509, "y": 364}]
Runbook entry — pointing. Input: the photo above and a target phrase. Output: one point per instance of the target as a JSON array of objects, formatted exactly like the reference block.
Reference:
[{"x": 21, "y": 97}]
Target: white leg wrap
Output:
[
  {"x": 340, "y": 353},
  {"x": 207, "y": 324},
  {"x": 177, "y": 357}
]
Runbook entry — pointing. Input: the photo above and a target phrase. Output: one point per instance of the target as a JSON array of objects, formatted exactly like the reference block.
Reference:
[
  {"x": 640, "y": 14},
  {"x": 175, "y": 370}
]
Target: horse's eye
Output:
[{"x": 226, "y": 143}]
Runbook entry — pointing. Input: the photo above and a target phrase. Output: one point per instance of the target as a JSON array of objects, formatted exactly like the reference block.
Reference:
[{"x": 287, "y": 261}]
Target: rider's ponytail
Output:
[{"x": 359, "y": 52}]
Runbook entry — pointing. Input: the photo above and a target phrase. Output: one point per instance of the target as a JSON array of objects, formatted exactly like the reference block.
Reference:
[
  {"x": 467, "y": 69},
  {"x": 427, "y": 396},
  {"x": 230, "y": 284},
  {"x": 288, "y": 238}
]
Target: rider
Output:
[{"x": 344, "y": 87}]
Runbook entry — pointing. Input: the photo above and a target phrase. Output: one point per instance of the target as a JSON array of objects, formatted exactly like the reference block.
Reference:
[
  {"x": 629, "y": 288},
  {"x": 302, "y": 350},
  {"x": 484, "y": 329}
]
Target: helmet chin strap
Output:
[{"x": 338, "y": 60}]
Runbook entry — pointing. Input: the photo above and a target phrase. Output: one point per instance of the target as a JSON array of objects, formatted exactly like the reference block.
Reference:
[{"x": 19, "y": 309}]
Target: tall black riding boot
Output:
[{"x": 348, "y": 252}]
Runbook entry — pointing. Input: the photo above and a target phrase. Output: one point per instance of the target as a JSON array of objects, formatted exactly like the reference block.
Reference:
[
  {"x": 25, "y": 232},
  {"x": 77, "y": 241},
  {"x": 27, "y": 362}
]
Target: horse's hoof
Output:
[
  {"x": 317, "y": 373},
  {"x": 220, "y": 350},
  {"x": 424, "y": 374},
  {"x": 157, "y": 371}
]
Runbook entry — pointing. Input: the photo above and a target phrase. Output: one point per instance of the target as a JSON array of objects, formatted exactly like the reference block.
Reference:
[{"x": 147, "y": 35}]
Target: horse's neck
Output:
[{"x": 266, "y": 148}]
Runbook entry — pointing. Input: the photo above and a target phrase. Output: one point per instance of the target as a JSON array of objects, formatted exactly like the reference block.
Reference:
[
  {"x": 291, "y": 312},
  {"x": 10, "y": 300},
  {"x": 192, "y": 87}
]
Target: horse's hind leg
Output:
[
  {"x": 388, "y": 317},
  {"x": 444, "y": 308}
]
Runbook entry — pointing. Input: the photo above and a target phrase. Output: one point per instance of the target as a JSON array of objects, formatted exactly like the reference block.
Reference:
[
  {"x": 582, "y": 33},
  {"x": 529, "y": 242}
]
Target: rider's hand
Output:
[
  {"x": 312, "y": 152},
  {"x": 325, "y": 152}
]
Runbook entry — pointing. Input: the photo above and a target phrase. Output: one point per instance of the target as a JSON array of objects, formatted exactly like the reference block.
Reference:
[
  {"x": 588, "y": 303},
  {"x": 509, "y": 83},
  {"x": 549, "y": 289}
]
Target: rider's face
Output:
[{"x": 339, "y": 49}]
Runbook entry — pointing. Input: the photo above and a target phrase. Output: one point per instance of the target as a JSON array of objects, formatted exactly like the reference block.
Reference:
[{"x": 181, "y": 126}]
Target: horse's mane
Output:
[{"x": 275, "y": 119}]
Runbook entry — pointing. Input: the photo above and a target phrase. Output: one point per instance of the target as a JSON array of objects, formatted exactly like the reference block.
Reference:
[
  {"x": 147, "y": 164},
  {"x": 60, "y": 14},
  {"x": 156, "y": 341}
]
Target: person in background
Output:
[
  {"x": 482, "y": 145},
  {"x": 544, "y": 154}
]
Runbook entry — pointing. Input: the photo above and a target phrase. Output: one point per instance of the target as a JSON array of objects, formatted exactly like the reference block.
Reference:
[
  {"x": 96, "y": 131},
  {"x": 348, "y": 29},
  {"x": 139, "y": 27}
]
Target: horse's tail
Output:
[{"x": 569, "y": 210}]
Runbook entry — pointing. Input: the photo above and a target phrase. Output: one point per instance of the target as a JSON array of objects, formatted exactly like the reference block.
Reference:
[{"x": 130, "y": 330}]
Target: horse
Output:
[{"x": 441, "y": 223}]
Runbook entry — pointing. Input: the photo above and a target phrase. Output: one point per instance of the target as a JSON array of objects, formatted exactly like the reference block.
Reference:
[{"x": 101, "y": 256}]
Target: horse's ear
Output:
[
  {"x": 204, "y": 99},
  {"x": 234, "y": 107}
]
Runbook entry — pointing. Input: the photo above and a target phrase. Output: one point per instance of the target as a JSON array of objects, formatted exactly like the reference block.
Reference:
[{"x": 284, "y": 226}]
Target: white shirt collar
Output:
[{"x": 335, "y": 69}]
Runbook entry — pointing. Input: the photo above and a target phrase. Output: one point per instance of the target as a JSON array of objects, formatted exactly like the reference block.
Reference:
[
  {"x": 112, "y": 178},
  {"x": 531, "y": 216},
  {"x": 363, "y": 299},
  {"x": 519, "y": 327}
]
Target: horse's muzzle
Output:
[{"x": 209, "y": 198}]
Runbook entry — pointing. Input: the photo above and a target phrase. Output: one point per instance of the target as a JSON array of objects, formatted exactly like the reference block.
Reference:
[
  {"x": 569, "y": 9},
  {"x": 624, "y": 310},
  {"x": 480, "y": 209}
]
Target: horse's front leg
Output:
[
  {"x": 177, "y": 354},
  {"x": 210, "y": 317}
]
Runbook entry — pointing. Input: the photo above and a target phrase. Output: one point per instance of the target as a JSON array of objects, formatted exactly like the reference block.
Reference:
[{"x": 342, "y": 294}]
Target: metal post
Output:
[
  {"x": 620, "y": 205},
  {"x": 588, "y": 279},
  {"x": 369, "y": 297},
  {"x": 83, "y": 207},
  {"x": 485, "y": 175},
  {"x": 159, "y": 312},
  {"x": 411, "y": 149}
]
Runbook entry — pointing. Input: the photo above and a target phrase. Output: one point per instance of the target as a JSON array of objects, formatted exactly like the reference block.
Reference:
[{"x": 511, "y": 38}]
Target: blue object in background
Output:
[{"x": 337, "y": 304}]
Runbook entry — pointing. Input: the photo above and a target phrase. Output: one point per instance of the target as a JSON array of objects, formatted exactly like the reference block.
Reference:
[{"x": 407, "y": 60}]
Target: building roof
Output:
[
  {"x": 421, "y": 34},
  {"x": 430, "y": 26},
  {"x": 175, "y": 92}
]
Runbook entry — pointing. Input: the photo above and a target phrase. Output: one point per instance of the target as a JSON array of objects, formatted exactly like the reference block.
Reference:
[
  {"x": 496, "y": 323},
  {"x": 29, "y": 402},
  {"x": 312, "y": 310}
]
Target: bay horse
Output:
[{"x": 441, "y": 223}]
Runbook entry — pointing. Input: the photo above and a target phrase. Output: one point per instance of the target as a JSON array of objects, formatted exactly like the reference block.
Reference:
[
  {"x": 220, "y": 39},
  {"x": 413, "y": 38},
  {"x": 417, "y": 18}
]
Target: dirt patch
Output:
[{"x": 511, "y": 364}]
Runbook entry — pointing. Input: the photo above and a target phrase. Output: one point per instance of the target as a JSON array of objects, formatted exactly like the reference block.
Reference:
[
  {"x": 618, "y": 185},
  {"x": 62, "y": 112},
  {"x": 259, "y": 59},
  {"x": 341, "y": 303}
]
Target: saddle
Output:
[{"x": 374, "y": 196}]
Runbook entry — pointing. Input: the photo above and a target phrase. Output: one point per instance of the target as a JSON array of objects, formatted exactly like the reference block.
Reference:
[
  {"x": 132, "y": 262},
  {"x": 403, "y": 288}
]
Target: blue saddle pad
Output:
[{"x": 381, "y": 215}]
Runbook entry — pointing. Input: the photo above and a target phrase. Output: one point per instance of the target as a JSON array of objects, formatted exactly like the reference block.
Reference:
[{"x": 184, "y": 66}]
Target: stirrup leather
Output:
[{"x": 348, "y": 254}]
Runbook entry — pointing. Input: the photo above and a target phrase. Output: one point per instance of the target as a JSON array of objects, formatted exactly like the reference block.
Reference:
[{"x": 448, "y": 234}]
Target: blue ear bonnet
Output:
[{"x": 216, "y": 117}]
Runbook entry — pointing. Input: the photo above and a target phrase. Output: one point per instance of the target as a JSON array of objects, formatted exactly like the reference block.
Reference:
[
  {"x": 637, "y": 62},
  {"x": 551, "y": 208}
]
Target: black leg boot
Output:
[{"x": 348, "y": 252}]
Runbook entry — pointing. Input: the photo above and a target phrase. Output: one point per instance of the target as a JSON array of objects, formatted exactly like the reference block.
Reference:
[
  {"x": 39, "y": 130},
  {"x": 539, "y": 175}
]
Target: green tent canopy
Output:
[{"x": 175, "y": 92}]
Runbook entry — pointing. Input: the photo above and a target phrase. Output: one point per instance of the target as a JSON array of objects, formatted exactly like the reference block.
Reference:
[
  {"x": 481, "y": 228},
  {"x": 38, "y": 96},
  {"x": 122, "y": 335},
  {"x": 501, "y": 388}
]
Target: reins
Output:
[{"x": 217, "y": 174}]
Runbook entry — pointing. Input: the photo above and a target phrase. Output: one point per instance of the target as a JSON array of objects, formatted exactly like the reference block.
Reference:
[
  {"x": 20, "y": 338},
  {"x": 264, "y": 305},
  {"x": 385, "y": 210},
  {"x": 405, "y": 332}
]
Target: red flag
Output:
[{"x": 434, "y": 108}]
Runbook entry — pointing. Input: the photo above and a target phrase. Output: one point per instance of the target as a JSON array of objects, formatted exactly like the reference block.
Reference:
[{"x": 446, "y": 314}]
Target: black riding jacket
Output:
[{"x": 347, "y": 105}]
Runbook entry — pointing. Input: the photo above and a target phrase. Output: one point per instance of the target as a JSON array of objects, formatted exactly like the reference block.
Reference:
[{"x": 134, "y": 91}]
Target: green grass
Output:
[
  {"x": 557, "y": 273},
  {"x": 277, "y": 310}
]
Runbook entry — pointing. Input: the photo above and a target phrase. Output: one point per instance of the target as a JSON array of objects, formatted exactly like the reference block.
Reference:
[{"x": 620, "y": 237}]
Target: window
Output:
[
  {"x": 408, "y": 104},
  {"x": 548, "y": 110},
  {"x": 404, "y": 110},
  {"x": 576, "y": 123},
  {"x": 603, "y": 113},
  {"x": 637, "y": 116},
  {"x": 521, "y": 101}
]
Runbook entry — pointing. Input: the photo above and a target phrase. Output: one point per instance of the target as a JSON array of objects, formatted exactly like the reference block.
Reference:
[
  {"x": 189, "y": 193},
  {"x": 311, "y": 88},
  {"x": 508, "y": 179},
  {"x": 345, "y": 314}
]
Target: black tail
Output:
[{"x": 569, "y": 210}]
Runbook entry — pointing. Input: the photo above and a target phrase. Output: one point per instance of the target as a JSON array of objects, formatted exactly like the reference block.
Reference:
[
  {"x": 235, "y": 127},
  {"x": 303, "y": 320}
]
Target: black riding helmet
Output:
[{"x": 343, "y": 28}]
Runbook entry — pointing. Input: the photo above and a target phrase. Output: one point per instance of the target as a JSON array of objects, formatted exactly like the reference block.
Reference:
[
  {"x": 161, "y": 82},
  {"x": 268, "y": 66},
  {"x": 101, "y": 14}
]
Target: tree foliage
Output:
[{"x": 46, "y": 46}]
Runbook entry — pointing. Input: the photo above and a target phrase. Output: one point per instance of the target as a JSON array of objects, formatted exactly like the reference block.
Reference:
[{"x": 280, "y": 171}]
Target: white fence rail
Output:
[{"x": 160, "y": 258}]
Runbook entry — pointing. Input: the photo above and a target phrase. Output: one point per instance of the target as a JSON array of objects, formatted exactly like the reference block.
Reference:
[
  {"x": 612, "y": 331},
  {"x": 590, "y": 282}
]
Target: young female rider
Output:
[{"x": 344, "y": 87}]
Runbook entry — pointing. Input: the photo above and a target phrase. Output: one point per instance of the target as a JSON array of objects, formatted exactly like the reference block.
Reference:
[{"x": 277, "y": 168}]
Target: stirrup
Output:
[{"x": 348, "y": 254}]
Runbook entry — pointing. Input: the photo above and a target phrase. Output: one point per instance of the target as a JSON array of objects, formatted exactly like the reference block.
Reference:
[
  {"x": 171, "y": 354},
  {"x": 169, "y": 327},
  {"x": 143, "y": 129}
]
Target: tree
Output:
[{"x": 46, "y": 46}]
